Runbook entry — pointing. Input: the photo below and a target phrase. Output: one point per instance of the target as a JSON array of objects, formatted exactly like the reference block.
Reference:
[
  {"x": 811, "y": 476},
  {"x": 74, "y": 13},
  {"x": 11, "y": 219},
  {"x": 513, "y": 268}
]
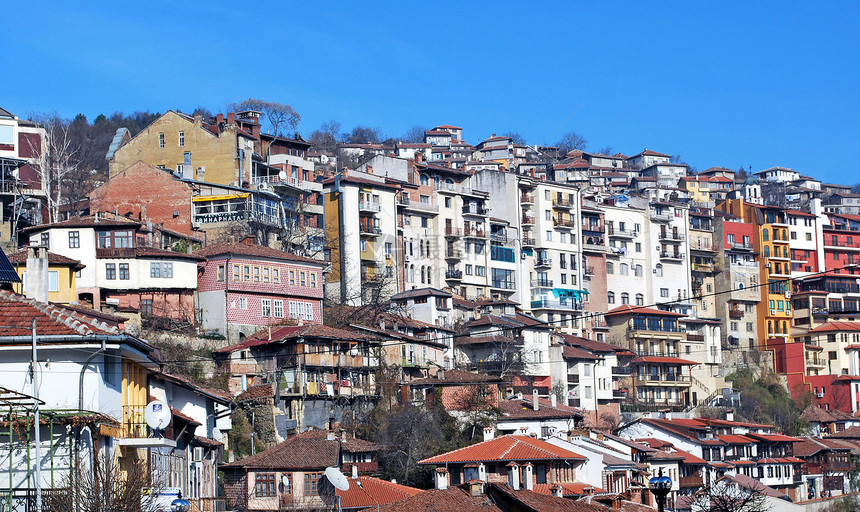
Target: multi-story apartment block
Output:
[
  {"x": 669, "y": 239},
  {"x": 660, "y": 372},
  {"x": 738, "y": 283},
  {"x": 805, "y": 235},
  {"x": 587, "y": 376},
  {"x": 244, "y": 287}
]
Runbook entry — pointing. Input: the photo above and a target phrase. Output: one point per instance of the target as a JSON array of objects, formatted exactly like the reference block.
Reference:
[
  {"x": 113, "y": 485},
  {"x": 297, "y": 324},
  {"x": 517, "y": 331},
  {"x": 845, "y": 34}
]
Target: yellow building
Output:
[
  {"x": 219, "y": 153},
  {"x": 62, "y": 276},
  {"x": 771, "y": 243},
  {"x": 703, "y": 189}
]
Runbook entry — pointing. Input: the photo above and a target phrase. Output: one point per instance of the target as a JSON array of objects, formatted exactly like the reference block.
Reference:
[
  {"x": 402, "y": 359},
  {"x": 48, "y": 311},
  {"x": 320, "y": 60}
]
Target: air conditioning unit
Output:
[
  {"x": 197, "y": 455},
  {"x": 112, "y": 301},
  {"x": 787, "y": 295},
  {"x": 819, "y": 395},
  {"x": 263, "y": 186},
  {"x": 407, "y": 258},
  {"x": 772, "y": 312},
  {"x": 195, "y": 224},
  {"x": 767, "y": 265}
]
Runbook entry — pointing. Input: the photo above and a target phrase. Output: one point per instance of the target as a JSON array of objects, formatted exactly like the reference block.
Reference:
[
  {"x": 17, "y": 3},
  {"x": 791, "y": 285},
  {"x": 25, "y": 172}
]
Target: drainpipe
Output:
[{"x": 84, "y": 370}]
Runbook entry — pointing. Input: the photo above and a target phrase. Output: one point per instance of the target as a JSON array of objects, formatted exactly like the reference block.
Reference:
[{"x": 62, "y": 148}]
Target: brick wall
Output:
[
  {"x": 148, "y": 193},
  {"x": 175, "y": 305},
  {"x": 455, "y": 398},
  {"x": 236, "y": 488}
]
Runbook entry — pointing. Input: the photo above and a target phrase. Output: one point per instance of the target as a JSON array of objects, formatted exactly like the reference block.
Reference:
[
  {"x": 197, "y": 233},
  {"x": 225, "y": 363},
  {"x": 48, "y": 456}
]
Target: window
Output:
[
  {"x": 110, "y": 270},
  {"x": 53, "y": 281},
  {"x": 220, "y": 274},
  {"x": 243, "y": 303},
  {"x": 625, "y": 298},
  {"x": 659, "y": 270},
  {"x": 235, "y": 272},
  {"x": 276, "y": 276},
  {"x": 468, "y": 269},
  {"x": 246, "y": 272},
  {"x": 266, "y": 272},
  {"x": 809, "y": 237},
  {"x": 181, "y": 139},
  {"x": 312, "y": 481},
  {"x": 610, "y": 297},
  {"x": 302, "y": 279},
  {"x": 279, "y": 309},
  {"x": 481, "y": 270},
  {"x": 146, "y": 307},
  {"x": 257, "y": 274},
  {"x": 159, "y": 269},
  {"x": 549, "y": 236},
  {"x": 264, "y": 485},
  {"x": 610, "y": 267},
  {"x": 640, "y": 299},
  {"x": 638, "y": 247},
  {"x": 123, "y": 271},
  {"x": 161, "y": 140},
  {"x": 74, "y": 239},
  {"x": 266, "y": 309},
  {"x": 313, "y": 276},
  {"x": 624, "y": 269},
  {"x": 292, "y": 277},
  {"x": 637, "y": 270},
  {"x": 664, "y": 292},
  {"x": 45, "y": 239}
]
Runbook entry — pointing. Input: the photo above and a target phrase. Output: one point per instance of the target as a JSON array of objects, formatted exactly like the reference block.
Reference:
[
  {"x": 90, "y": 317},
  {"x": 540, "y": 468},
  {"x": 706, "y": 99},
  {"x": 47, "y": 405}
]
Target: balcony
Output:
[
  {"x": 528, "y": 221},
  {"x": 619, "y": 393},
  {"x": 594, "y": 247},
  {"x": 474, "y": 233},
  {"x": 661, "y": 217},
  {"x": 562, "y": 204},
  {"x": 370, "y": 230},
  {"x": 362, "y": 467},
  {"x": 453, "y": 188},
  {"x": 814, "y": 362},
  {"x": 565, "y": 304},
  {"x": 453, "y": 232},
  {"x": 543, "y": 262},
  {"x": 623, "y": 233},
  {"x": 454, "y": 275},
  {"x": 499, "y": 237},
  {"x": 664, "y": 380},
  {"x": 736, "y": 314},
  {"x": 528, "y": 242},
  {"x": 741, "y": 247},
  {"x": 672, "y": 256},
  {"x": 695, "y": 337},
  {"x": 703, "y": 267},
  {"x": 124, "y": 252},
  {"x": 572, "y": 378},
  {"x": 454, "y": 254},
  {"x": 541, "y": 283},
  {"x": 276, "y": 181},
  {"x": 478, "y": 211},
  {"x": 671, "y": 237},
  {"x": 564, "y": 224},
  {"x": 135, "y": 431},
  {"x": 593, "y": 227},
  {"x": 503, "y": 285},
  {"x": 691, "y": 481},
  {"x": 621, "y": 370},
  {"x": 527, "y": 199},
  {"x": 588, "y": 271},
  {"x": 417, "y": 205},
  {"x": 369, "y": 207}
]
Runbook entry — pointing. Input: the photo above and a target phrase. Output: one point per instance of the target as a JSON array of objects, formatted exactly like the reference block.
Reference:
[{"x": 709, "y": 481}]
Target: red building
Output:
[{"x": 243, "y": 287}]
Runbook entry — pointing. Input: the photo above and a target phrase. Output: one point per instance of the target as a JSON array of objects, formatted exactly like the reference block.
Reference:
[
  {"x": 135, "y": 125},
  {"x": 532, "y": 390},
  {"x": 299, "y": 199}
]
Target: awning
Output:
[{"x": 568, "y": 292}]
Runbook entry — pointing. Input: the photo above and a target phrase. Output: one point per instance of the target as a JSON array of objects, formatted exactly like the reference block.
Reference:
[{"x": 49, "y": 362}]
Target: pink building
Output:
[{"x": 244, "y": 287}]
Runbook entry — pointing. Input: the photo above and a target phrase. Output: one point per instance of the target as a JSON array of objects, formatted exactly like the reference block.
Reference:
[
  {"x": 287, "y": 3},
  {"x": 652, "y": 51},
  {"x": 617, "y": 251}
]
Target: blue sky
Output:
[{"x": 721, "y": 83}]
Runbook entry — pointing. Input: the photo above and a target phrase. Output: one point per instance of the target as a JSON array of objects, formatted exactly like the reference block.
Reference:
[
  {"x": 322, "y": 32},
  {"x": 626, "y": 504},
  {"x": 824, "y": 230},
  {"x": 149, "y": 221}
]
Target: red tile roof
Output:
[
  {"x": 628, "y": 309},
  {"x": 253, "y": 251},
  {"x": 17, "y": 313},
  {"x": 779, "y": 438},
  {"x": 20, "y": 258},
  {"x": 86, "y": 222},
  {"x": 516, "y": 409},
  {"x": 310, "y": 450},
  {"x": 366, "y": 491},
  {"x": 577, "y": 353},
  {"x": 292, "y": 332},
  {"x": 736, "y": 439},
  {"x": 836, "y": 326},
  {"x": 505, "y": 448}
]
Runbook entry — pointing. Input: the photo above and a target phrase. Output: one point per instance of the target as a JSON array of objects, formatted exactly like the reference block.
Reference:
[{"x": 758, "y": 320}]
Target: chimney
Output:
[
  {"x": 369, "y": 169},
  {"x": 528, "y": 476},
  {"x": 489, "y": 433},
  {"x": 514, "y": 476},
  {"x": 219, "y": 118},
  {"x": 557, "y": 491},
  {"x": 37, "y": 273},
  {"x": 668, "y": 415},
  {"x": 730, "y": 413},
  {"x": 553, "y": 400},
  {"x": 440, "y": 374},
  {"x": 441, "y": 478},
  {"x": 355, "y": 470},
  {"x": 231, "y": 118},
  {"x": 330, "y": 436},
  {"x": 535, "y": 404}
]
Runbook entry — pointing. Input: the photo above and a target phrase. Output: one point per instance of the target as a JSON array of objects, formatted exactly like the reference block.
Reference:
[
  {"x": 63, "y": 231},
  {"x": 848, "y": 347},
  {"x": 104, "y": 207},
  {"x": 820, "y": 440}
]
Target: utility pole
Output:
[{"x": 37, "y": 424}]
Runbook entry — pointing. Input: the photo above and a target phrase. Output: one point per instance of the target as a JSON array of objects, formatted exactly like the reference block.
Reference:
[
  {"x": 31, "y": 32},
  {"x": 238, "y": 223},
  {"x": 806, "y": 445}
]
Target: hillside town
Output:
[{"x": 454, "y": 326}]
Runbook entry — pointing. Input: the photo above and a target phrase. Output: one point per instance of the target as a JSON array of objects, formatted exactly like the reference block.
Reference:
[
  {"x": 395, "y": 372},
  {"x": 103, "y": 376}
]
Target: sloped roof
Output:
[
  {"x": 87, "y": 222},
  {"x": 505, "y": 448},
  {"x": 17, "y": 313},
  {"x": 457, "y": 377},
  {"x": 309, "y": 450},
  {"x": 848, "y": 433},
  {"x": 421, "y": 292},
  {"x": 291, "y": 332},
  {"x": 253, "y": 251},
  {"x": 809, "y": 446},
  {"x": 20, "y": 258},
  {"x": 588, "y": 344},
  {"x": 628, "y": 309},
  {"x": 524, "y": 408},
  {"x": 366, "y": 491},
  {"x": 661, "y": 359}
]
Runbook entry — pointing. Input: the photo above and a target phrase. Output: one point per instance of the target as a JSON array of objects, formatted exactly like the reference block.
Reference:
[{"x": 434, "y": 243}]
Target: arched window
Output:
[
  {"x": 624, "y": 269},
  {"x": 765, "y": 235},
  {"x": 637, "y": 270},
  {"x": 625, "y": 298},
  {"x": 784, "y": 327},
  {"x": 610, "y": 297},
  {"x": 421, "y": 248},
  {"x": 659, "y": 269},
  {"x": 610, "y": 267},
  {"x": 422, "y": 274},
  {"x": 766, "y": 250},
  {"x": 640, "y": 299}
]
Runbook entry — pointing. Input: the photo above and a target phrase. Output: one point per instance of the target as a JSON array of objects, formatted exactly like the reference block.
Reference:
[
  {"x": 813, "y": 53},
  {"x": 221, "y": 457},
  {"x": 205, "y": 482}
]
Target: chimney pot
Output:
[
  {"x": 231, "y": 118},
  {"x": 489, "y": 433},
  {"x": 535, "y": 404},
  {"x": 355, "y": 470}
]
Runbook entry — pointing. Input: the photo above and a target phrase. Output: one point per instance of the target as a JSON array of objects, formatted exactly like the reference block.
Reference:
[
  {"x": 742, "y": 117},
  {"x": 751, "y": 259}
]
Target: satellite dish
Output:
[
  {"x": 157, "y": 415},
  {"x": 337, "y": 479},
  {"x": 216, "y": 434},
  {"x": 285, "y": 480},
  {"x": 282, "y": 176}
]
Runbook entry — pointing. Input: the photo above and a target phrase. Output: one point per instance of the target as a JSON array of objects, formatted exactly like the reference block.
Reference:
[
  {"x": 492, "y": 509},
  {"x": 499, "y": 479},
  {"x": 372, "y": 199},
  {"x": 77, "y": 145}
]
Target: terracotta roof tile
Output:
[
  {"x": 17, "y": 313},
  {"x": 628, "y": 309},
  {"x": 20, "y": 258},
  {"x": 366, "y": 491},
  {"x": 254, "y": 251},
  {"x": 309, "y": 450},
  {"x": 505, "y": 448}
]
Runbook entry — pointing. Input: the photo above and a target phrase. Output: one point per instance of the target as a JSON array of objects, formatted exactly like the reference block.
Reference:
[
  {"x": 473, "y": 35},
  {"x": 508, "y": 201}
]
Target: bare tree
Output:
[
  {"x": 606, "y": 150},
  {"x": 414, "y": 134},
  {"x": 326, "y": 136},
  {"x": 571, "y": 141},
  {"x": 727, "y": 495},
  {"x": 61, "y": 167},
  {"x": 280, "y": 116},
  {"x": 516, "y": 137},
  {"x": 105, "y": 486},
  {"x": 363, "y": 135}
]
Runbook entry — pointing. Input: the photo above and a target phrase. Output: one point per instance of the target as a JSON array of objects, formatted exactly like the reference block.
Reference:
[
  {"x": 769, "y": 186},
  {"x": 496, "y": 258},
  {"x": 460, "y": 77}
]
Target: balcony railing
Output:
[
  {"x": 562, "y": 303},
  {"x": 594, "y": 247},
  {"x": 564, "y": 223},
  {"x": 474, "y": 233},
  {"x": 671, "y": 236},
  {"x": 528, "y": 242},
  {"x": 369, "y": 206},
  {"x": 527, "y": 198},
  {"x": 690, "y": 481},
  {"x": 499, "y": 237},
  {"x": 134, "y": 424},
  {"x": 703, "y": 267},
  {"x": 562, "y": 203},
  {"x": 528, "y": 220},
  {"x": 667, "y": 378},
  {"x": 370, "y": 230},
  {"x": 661, "y": 217},
  {"x": 449, "y": 231},
  {"x": 541, "y": 283},
  {"x": 454, "y": 274},
  {"x": 454, "y": 254},
  {"x": 671, "y": 256},
  {"x": 543, "y": 262},
  {"x": 741, "y": 247},
  {"x": 474, "y": 210},
  {"x": 623, "y": 233},
  {"x": 588, "y": 271},
  {"x": 417, "y": 205},
  {"x": 736, "y": 314},
  {"x": 124, "y": 252}
]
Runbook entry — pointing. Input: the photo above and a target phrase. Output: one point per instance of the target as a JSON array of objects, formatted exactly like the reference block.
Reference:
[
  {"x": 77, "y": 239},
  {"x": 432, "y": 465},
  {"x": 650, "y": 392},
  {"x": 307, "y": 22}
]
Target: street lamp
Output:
[{"x": 660, "y": 486}]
